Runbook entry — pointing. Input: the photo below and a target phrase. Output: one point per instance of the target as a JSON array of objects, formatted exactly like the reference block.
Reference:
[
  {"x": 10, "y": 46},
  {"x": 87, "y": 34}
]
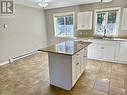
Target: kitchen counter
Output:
[
  {"x": 67, "y": 62},
  {"x": 66, "y": 48},
  {"x": 97, "y": 38}
]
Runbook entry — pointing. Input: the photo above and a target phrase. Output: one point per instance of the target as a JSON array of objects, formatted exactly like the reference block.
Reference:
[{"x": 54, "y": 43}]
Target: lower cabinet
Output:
[
  {"x": 112, "y": 51},
  {"x": 94, "y": 51},
  {"x": 122, "y": 54},
  {"x": 79, "y": 63},
  {"x": 108, "y": 52},
  {"x": 64, "y": 70},
  {"x": 102, "y": 50},
  {"x": 83, "y": 60}
]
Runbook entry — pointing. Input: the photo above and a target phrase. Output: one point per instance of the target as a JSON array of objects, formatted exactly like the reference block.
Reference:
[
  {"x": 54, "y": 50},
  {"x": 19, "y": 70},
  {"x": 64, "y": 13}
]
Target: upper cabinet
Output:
[
  {"x": 84, "y": 21},
  {"x": 124, "y": 20}
]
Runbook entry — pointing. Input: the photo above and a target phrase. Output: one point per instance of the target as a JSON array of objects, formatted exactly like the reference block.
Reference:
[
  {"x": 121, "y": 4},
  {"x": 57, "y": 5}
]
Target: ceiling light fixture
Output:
[
  {"x": 43, "y": 4},
  {"x": 105, "y": 1}
]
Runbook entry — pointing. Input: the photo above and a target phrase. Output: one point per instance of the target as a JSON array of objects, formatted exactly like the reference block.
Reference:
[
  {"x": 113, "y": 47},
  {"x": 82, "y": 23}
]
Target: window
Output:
[
  {"x": 107, "y": 21},
  {"x": 64, "y": 25}
]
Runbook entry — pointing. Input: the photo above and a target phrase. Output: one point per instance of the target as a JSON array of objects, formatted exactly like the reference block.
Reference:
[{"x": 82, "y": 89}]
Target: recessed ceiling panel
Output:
[{"x": 55, "y": 3}]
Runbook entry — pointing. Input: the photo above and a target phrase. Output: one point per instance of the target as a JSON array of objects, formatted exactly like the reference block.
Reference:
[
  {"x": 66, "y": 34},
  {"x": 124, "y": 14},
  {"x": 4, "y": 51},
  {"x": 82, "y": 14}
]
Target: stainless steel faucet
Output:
[{"x": 105, "y": 32}]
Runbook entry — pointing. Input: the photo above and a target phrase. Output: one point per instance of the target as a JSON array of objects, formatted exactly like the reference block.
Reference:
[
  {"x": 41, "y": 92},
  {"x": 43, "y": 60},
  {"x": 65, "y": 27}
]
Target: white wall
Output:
[
  {"x": 80, "y": 8},
  {"x": 25, "y": 33}
]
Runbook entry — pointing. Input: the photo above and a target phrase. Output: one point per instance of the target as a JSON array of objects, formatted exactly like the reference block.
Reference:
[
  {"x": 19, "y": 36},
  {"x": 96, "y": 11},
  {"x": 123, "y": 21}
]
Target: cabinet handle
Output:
[
  {"x": 102, "y": 47},
  {"x": 77, "y": 64}
]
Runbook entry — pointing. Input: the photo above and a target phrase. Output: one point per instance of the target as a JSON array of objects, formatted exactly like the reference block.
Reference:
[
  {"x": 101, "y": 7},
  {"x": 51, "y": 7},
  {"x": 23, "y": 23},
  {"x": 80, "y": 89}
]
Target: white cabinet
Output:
[
  {"x": 76, "y": 67},
  {"x": 122, "y": 54},
  {"x": 124, "y": 20},
  {"x": 108, "y": 52},
  {"x": 65, "y": 69},
  {"x": 112, "y": 51},
  {"x": 79, "y": 63},
  {"x": 84, "y": 21},
  {"x": 94, "y": 51},
  {"x": 102, "y": 50},
  {"x": 83, "y": 59}
]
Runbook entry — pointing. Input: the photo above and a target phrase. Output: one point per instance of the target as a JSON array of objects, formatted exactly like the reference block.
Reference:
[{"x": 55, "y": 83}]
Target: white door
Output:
[
  {"x": 84, "y": 21},
  {"x": 124, "y": 20},
  {"x": 83, "y": 60},
  {"x": 94, "y": 51},
  {"x": 74, "y": 69},
  {"x": 122, "y": 55},
  {"x": 80, "y": 23},
  {"x": 108, "y": 52},
  {"x": 88, "y": 20},
  {"x": 76, "y": 72},
  {"x": 78, "y": 65}
]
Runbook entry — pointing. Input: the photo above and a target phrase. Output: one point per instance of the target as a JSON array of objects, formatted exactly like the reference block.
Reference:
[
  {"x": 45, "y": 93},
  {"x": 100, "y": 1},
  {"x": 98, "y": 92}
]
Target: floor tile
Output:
[
  {"x": 30, "y": 76},
  {"x": 117, "y": 83},
  {"x": 116, "y": 91},
  {"x": 97, "y": 92}
]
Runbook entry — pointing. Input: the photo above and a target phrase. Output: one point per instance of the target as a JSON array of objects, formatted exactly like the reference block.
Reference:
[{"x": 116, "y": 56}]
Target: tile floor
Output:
[{"x": 29, "y": 76}]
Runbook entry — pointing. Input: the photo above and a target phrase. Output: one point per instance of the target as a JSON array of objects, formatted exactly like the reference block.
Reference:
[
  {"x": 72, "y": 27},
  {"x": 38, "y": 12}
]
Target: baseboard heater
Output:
[{"x": 21, "y": 56}]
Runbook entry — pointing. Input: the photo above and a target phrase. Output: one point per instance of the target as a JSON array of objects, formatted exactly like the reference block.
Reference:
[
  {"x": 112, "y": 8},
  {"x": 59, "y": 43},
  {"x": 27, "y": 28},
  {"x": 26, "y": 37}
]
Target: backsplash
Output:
[
  {"x": 85, "y": 33},
  {"x": 90, "y": 33}
]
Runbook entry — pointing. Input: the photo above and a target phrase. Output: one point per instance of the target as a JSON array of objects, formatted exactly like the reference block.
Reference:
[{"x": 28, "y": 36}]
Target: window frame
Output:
[
  {"x": 63, "y": 14},
  {"x": 117, "y": 20}
]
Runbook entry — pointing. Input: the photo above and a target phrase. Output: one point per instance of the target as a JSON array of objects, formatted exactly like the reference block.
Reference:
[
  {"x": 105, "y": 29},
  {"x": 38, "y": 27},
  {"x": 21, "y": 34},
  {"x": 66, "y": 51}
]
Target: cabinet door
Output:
[
  {"x": 94, "y": 51},
  {"x": 83, "y": 60},
  {"x": 122, "y": 55},
  {"x": 84, "y": 21},
  {"x": 78, "y": 65},
  {"x": 76, "y": 72},
  {"x": 108, "y": 52},
  {"x": 74, "y": 62},
  {"x": 80, "y": 23},
  {"x": 124, "y": 20}
]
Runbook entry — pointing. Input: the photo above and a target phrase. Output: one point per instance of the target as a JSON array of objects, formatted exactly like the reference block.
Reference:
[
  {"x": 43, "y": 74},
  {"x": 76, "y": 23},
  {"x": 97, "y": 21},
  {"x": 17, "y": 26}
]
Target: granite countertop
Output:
[
  {"x": 66, "y": 48},
  {"x": 96, "y": 38}
]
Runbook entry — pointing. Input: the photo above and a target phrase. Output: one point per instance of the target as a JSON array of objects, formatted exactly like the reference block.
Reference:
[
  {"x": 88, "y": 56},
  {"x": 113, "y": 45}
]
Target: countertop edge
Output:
[{"x": 66, "y": 53}]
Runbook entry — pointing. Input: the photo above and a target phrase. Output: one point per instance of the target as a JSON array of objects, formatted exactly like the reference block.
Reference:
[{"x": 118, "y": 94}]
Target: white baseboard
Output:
[
  {"x": 1, "y": 64},
  {"x": 19, "y": 57},
  {"x": 22, "y": 56},
  {"x": 117, "y": 62}
]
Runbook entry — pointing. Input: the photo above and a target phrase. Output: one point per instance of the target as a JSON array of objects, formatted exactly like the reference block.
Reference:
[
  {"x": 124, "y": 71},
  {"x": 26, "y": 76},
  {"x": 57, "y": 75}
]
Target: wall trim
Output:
[
  {"x": 18, "y": 57},
  {"x": 24, "y": 55},
  {"x": 1, "y": 64}
]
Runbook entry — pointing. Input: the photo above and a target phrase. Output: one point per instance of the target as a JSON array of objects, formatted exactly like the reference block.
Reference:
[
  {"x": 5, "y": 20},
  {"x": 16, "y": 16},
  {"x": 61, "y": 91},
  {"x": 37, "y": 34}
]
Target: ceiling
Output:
[{"x": 55, "y": 3}]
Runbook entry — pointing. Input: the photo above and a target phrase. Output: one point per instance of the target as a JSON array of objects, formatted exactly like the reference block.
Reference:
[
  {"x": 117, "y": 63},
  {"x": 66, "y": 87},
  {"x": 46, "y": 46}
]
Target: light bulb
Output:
[{"x": 43, "y": 4}]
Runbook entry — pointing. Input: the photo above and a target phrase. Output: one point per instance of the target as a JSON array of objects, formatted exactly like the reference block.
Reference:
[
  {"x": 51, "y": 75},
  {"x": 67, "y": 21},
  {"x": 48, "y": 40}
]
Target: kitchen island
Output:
[{"x": 67, "y": 62}]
